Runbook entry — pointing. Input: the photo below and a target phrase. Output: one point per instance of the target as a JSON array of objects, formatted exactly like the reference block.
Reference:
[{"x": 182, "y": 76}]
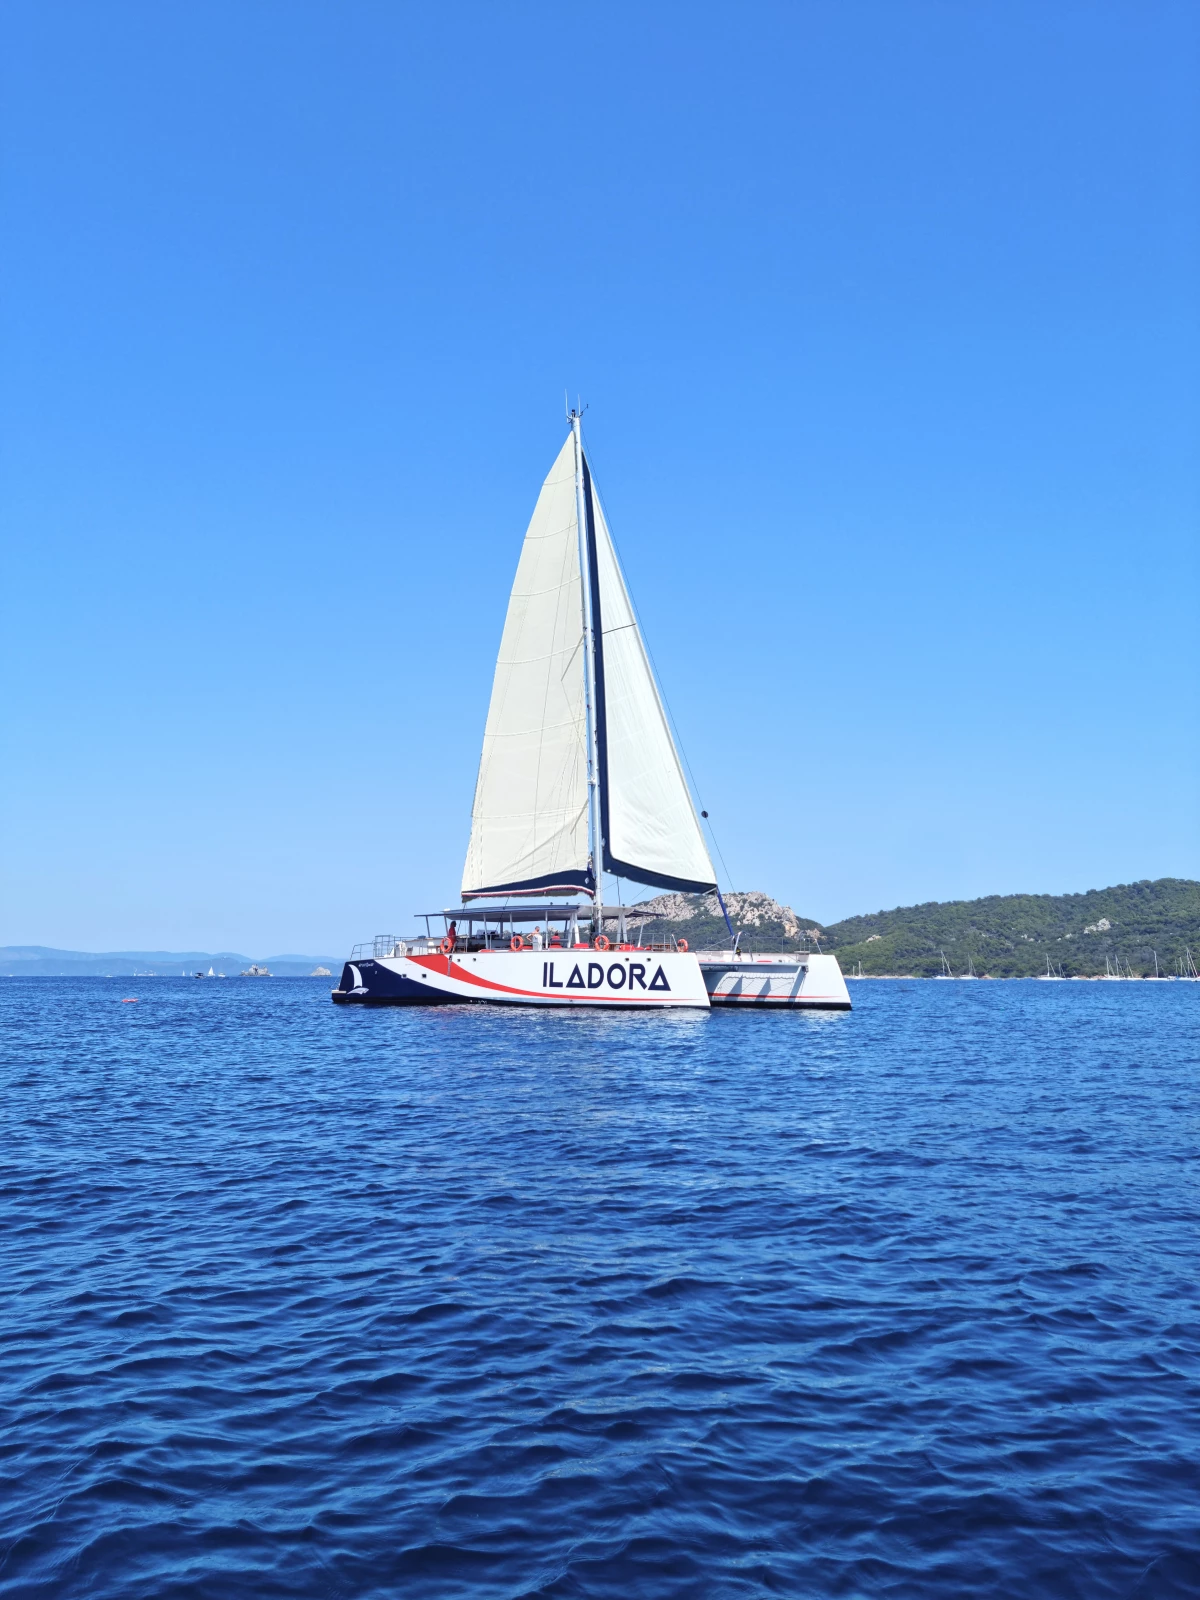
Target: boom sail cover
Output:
[{"x": 529, "y": 827}]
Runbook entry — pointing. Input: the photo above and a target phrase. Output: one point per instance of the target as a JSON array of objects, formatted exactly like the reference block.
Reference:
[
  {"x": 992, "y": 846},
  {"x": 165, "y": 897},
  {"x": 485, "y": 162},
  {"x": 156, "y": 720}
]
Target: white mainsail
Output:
[
  {"x": 651, "y": 831},
  {"x": 529, "y": 823}
]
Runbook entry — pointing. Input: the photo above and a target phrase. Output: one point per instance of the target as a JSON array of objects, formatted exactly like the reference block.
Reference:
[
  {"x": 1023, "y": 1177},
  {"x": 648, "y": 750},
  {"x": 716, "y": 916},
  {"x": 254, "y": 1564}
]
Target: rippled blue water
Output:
[{"x": 317, "y": 1302}]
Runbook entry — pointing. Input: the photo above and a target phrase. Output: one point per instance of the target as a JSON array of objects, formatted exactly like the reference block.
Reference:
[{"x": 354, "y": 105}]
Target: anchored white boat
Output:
[{"x": 579, "y": 777}]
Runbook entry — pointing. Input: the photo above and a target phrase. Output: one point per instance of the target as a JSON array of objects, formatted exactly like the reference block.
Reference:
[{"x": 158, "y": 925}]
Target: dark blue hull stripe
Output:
[{"x": 383, "y": 987}]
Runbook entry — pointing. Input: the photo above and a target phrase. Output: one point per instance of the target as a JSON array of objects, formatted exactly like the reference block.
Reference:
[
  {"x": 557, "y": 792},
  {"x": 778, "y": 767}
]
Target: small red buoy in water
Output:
[{"x": 132, "y": 1001}]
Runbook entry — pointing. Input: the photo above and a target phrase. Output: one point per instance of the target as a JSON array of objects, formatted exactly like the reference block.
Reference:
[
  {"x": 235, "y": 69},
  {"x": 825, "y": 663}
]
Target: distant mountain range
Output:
[
  {"x": 1001, "y": 936},
  {"x": 38, "y": 961}
]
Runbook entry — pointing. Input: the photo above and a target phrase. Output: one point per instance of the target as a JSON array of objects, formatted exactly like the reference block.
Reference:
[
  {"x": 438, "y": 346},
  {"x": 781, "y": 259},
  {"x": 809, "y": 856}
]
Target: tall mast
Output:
[{"x": 595, "y": 851}]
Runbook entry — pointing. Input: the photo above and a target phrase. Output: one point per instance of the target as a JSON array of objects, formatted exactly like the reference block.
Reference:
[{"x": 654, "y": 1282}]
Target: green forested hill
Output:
[
  {"x": 1012, "y": 935},
  {"x": 1005, "y": 936}
]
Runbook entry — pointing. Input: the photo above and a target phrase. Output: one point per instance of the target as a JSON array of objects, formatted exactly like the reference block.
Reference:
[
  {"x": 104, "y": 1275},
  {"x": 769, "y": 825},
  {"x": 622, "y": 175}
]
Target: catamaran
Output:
[{"x": 579, "y": 776}]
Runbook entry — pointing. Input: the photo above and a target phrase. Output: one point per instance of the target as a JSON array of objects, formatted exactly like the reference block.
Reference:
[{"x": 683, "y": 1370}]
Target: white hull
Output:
[
  {"x": 801, "y": 982},
  {"x": 630, "y": 979}
]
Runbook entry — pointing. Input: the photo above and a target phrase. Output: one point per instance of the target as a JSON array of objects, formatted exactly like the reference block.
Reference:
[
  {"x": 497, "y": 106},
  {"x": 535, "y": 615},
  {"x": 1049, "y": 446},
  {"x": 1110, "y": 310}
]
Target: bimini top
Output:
[{"x": 532, "y": 913}]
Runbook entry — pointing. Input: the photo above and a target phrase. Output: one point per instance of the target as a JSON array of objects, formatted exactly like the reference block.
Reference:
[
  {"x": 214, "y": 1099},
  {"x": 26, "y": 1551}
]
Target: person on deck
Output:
[
  {"x": 452, "y": 936},
  {"x": 536, "y": 940}
]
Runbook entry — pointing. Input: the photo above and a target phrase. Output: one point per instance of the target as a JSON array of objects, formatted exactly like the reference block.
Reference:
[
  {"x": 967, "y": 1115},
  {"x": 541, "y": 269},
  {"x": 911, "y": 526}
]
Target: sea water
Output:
[{"x": 309, "y": 1301}]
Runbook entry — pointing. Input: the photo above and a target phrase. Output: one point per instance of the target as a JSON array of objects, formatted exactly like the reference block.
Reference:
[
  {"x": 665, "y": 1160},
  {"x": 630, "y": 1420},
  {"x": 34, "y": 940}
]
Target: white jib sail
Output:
[
  {"x": 652, "y": 824},
  {"x": 529, "y": 823}
]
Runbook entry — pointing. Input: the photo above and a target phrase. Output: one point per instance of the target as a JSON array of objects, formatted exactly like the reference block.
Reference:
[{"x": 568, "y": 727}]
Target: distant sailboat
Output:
[
  {"x": 945, "y": 972},
  {"x": 579, "y": 776},
  {"x": 970, "y": 972}
]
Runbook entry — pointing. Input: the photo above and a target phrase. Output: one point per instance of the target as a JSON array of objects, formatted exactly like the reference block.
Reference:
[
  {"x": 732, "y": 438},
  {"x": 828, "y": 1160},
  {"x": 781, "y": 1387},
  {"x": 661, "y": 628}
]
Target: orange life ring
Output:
[
  {"x": 600, "y": 942},
  {"x": 516, "y": 942},
  {"x": 446, "y": 946},
  {"x": 681, "y": 944}
]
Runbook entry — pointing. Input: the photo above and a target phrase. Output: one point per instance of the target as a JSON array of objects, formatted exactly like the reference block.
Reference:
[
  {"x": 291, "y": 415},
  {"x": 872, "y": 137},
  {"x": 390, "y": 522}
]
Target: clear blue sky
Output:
[{"x": 887, "y": 317}]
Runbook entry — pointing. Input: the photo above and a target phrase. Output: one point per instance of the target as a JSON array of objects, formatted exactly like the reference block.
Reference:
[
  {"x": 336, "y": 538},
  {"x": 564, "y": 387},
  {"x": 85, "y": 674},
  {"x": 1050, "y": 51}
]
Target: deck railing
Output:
[
  {"x": 384, "y": 945},
  {"x": 391, "y": 945}
]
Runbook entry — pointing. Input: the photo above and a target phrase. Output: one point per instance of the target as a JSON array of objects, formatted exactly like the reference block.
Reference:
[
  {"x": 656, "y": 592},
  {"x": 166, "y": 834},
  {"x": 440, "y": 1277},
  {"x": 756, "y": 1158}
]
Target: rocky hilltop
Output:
[
  {"x": 764, "y": 922},
  {"x": 752, "y": 909}
]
